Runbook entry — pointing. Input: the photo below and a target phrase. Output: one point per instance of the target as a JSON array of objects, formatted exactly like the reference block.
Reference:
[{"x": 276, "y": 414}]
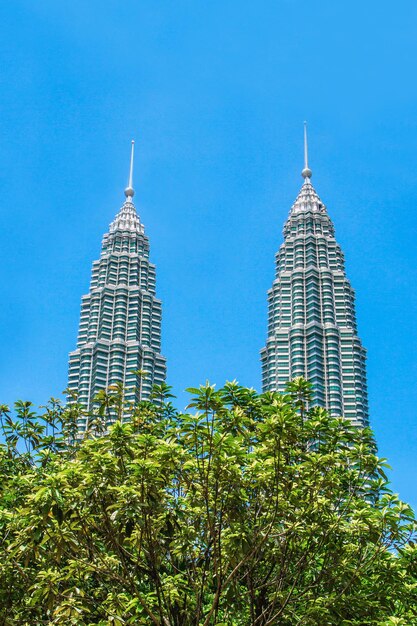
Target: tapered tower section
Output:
[
  {"x": 312, "y": 328},
  {"x": 119, "y": 337}
]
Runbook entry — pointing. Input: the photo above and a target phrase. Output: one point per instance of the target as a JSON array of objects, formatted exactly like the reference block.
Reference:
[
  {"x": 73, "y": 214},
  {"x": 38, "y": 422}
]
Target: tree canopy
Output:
[{"x": 247, "y": 510}]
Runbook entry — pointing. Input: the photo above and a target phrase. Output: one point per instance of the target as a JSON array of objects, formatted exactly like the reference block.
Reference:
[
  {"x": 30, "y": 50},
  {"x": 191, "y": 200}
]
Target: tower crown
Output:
[
  {"x": 127, "y": 218},
  {"x": 307, "y": 199}
]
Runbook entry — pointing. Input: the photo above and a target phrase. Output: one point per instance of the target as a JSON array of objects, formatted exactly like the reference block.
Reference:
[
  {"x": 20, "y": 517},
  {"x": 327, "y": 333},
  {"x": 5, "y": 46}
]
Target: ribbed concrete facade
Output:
[
  {"x": 312, "y": 328},
  {"x": 120, "y": 324}
]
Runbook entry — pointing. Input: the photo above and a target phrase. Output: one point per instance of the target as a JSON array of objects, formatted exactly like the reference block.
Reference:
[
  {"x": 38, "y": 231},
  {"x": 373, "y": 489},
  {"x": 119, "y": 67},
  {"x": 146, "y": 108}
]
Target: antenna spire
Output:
[
  {"x": 306, "y": 173},
  {"x": 129, "y": 191}
]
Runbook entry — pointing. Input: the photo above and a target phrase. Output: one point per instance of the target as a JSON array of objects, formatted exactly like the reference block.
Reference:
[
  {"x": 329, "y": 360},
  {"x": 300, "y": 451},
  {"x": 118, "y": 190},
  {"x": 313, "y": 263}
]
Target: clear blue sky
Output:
[{"x": 215, "y": 94}]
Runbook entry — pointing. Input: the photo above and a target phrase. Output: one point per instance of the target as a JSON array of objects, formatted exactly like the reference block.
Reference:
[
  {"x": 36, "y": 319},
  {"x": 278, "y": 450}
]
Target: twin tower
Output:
[{"x": 312, "y": 328}]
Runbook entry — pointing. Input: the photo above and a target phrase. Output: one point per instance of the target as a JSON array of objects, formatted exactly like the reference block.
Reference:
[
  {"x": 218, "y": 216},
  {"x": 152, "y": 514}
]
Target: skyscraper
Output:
[
  {"x": 120, "y": 324},
  {"x": 312, "y": 328}
]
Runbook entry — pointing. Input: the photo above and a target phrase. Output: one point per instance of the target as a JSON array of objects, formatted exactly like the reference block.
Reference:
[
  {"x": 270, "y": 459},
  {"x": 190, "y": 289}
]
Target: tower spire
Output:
[
  {"x": 129, "y": 191},
  {"x": 306, "y": 173}
]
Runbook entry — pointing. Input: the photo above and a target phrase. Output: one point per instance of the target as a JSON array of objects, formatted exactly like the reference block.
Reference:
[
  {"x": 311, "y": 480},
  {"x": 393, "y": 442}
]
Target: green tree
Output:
[{"x": 248, "y": 510}]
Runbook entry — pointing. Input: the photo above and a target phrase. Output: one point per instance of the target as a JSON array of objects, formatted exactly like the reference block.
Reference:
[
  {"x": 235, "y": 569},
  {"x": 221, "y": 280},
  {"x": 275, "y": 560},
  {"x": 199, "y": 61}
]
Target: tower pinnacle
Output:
[
  {"x": 129, "y": 191},
  {"x": 306, "y": 173}
]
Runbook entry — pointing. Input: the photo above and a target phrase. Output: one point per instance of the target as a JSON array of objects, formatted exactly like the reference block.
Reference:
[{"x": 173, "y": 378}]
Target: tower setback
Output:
[
  {"x": 312, "y": 329},
  {"x": 119, "y": 337}
]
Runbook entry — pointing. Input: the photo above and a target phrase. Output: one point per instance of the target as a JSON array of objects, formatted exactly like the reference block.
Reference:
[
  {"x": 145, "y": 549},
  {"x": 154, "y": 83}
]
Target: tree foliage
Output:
[{"x": 248, "y": 510}]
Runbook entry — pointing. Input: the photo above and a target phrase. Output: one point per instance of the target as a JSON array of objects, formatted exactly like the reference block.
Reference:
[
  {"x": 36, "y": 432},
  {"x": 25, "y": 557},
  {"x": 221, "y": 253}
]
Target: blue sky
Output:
[{"x": 215, "y": 94}]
